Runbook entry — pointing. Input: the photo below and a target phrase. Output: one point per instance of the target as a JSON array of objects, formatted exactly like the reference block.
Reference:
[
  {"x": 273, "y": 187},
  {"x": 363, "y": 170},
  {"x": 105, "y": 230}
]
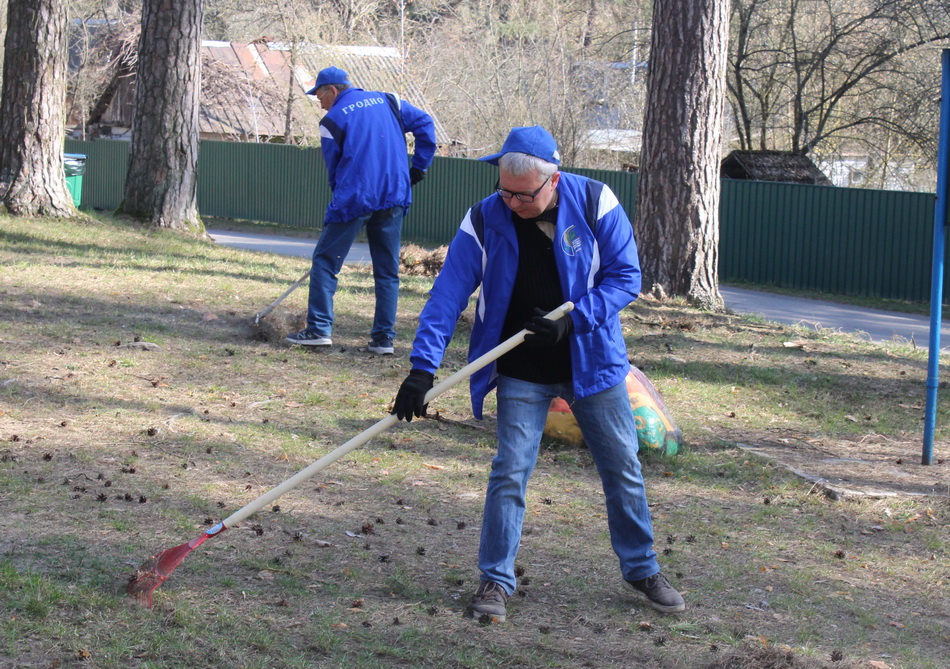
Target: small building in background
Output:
[{"x": 782, "y": 166}]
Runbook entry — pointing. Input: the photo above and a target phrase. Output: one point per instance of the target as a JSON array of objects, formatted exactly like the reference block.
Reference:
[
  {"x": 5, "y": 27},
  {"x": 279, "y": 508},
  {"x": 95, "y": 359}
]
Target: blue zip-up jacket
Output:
[
  {"x": 599, "y": 271},
  {"x": 364, "y": 148}
]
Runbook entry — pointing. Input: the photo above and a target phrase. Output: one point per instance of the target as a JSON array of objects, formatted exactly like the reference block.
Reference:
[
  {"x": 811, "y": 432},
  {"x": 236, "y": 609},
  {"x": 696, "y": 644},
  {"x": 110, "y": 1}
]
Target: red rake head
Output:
[{"x": 157, "y": 569}]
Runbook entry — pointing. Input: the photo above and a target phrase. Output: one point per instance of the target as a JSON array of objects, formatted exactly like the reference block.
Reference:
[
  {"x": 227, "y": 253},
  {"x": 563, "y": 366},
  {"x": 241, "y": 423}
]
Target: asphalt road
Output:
[{"x": 875, "y": 324}]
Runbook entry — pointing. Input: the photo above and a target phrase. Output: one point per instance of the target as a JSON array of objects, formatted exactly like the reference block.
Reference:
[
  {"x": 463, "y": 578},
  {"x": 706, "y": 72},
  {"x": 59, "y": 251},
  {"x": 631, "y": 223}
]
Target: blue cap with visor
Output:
[
  {"x": 532, "y": 140},
  {"x": 330, "y": 75}
]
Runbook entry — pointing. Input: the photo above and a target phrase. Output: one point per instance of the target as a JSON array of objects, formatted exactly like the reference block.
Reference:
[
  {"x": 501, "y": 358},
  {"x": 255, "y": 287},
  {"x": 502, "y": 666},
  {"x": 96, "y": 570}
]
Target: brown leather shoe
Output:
[
  {"x": 490, "y": 600},
  {"x": 663, "y": 596}
]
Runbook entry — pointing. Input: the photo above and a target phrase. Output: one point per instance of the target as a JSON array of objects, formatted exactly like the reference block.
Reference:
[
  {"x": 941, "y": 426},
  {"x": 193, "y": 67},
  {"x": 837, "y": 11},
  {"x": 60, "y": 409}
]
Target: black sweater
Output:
[{"x": 537, "y": 284}]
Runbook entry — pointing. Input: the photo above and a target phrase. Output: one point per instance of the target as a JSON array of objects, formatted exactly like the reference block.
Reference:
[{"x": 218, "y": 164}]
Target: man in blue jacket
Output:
[
  {"x": 363, "y": 139},
  {"x": 544, "y": 237}
]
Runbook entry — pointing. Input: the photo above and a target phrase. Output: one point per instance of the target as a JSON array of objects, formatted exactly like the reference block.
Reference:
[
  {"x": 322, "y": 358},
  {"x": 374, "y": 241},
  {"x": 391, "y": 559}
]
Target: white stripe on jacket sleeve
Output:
[{"x": 469, "y": 229}]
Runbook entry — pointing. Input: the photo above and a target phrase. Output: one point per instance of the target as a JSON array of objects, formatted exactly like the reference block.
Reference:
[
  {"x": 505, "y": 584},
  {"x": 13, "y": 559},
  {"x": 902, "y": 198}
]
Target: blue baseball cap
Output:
[
  {"x": 533, "y": 140},
  {"x": 330, "y": 75}
]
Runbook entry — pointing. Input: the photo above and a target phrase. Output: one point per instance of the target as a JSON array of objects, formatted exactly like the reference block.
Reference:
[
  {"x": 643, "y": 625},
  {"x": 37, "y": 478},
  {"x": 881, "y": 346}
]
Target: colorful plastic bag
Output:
[{"x": 655, "y": 426}]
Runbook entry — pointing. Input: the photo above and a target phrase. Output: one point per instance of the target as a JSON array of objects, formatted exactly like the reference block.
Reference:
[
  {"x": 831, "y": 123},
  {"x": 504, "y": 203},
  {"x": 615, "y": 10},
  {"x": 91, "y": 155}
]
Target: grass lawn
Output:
[{"x": 139, "y": 405}]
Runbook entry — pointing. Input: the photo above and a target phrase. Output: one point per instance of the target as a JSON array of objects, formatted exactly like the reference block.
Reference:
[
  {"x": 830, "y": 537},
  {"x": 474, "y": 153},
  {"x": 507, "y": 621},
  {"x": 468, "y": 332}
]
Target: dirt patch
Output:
[
  {"x": 775, "y": 658},
  {"x": 872, "y": 466},
  {"x": 793, "y": 391}
]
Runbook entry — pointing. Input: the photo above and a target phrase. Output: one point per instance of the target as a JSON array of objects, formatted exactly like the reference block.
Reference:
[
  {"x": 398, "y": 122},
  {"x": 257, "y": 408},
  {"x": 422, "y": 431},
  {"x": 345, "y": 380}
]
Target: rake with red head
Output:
[{"x": 155, "y": 571}]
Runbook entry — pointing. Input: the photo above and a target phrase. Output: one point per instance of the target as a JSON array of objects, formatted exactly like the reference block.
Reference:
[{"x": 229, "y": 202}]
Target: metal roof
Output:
[{"x": 244, "y": 92}]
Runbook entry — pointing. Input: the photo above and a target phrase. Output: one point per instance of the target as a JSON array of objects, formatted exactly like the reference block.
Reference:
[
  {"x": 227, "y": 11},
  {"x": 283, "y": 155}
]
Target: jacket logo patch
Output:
[{"x": 570, "y": 242}]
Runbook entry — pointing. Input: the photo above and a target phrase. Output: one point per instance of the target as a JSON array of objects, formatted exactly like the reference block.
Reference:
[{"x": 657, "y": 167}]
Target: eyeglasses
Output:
[{"x": 522, "y": 197}]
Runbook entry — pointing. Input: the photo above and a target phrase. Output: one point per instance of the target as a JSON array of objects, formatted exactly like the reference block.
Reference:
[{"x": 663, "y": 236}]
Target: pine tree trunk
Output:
[
  {"x": 677, "y": 216},
  {"x": 291, "y": 90},
  {"x": 3, "y": 33},
  {"x": 161, "y": 186},
  {"x": 33, "y": 111}
]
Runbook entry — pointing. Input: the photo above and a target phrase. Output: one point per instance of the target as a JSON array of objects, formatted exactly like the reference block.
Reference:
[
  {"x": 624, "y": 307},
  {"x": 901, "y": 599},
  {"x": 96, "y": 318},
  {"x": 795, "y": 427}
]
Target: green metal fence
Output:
[
  {"x": 844, "y": 241},
  {"x": 440, "y": 201},
  {"x": 106, "y": 165},
  {"x": 836, "y": 240},
  {"x": 263, "y": 182},
  {"x": 258, "y": 182}
]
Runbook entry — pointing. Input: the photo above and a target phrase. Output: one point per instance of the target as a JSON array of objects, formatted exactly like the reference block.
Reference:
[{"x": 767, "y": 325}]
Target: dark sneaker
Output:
[
  {"x": 308, "y": 338},
  {"x": 384, "y": 347},
  {"x": 489, "y": 600},
  {"x": 663, "y": 596}
]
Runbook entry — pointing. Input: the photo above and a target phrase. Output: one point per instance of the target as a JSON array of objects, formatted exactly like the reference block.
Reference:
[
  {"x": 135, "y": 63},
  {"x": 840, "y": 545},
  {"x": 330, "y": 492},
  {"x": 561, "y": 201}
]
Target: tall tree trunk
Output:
[
  {"x": 291, "y": 90},
  {"x": 587, "y": 38},
  {"x": 677, "y": 216},
  {"x": 3, "y": 32},
  {"x": 33, "y": 111},
  {"x": 161, "y": 186}
]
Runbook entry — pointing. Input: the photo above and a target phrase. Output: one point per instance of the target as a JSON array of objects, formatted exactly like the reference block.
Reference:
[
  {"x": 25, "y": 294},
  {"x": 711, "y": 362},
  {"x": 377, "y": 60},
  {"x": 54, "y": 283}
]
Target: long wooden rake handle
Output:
[
  {"x": 157, "y": 569},
  {"x": 382, "y": 425},
  {"x": 296, "y": 284}
]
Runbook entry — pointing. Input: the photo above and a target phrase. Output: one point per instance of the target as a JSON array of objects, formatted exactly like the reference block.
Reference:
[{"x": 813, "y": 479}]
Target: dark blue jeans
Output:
[
  {"x": 383, "y": 229},
  {"x": 607, "y": 422}
]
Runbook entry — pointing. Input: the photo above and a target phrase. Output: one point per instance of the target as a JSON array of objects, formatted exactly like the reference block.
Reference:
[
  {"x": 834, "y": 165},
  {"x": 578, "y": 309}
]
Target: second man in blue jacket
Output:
[{"x": 363, "y": 139}]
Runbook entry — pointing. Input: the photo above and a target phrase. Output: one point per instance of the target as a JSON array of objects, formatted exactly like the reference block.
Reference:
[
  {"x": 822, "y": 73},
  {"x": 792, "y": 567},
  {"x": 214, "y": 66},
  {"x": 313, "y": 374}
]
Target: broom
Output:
[{"x": 155, "y": 571}]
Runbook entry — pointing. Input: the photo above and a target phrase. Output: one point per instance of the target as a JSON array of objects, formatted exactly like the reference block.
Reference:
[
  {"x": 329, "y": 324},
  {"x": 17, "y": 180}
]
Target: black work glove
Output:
[
  {"x": 410, "y": 400},
  {"x": 416, "y": 175},
  {"x": 544, "y": 331}
]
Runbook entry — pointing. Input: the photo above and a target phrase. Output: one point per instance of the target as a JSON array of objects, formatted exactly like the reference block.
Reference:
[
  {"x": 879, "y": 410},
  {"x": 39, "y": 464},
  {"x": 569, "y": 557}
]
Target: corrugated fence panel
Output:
[
  {"x": 263, "y": 182},
  {"x": 222, "y": 179},
  {"x": 439, "y": 202},
  {"x": 106, "y": 164},
  {"x": 835, "y": 240}
]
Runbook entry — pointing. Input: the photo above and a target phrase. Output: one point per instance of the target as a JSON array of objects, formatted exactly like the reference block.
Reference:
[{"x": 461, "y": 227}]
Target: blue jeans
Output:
[
  {"x": 607, "y": 422},
  {"x": 382, "y": 232}
]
